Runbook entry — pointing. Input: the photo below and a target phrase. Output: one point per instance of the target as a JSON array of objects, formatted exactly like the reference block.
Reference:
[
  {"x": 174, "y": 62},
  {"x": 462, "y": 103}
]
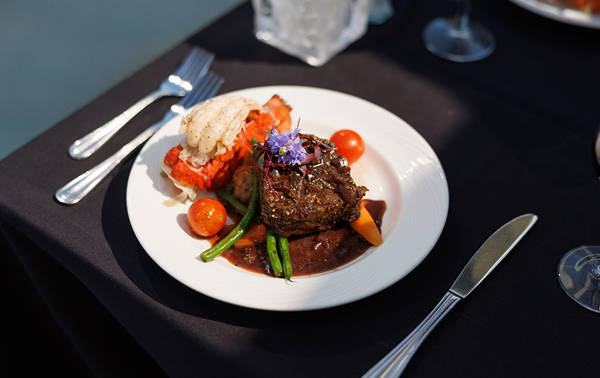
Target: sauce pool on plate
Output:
[{"x": 314, "y": 253}]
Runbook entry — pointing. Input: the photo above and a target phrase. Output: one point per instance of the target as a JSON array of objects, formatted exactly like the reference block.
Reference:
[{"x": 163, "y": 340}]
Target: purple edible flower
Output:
[{"x": 287, "y": 147}]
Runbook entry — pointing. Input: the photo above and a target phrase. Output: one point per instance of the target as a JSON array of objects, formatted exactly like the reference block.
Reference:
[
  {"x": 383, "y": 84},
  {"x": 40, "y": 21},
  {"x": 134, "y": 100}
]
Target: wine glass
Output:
[
  {"x": 380, "y": 11},
  {"x": 457, "y": 38},
  {"x": 579, "y": 276}
]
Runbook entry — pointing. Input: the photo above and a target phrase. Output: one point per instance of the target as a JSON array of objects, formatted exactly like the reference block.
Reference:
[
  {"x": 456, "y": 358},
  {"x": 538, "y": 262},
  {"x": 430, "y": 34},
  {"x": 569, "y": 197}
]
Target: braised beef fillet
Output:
[{"x": 297, "y": 203}]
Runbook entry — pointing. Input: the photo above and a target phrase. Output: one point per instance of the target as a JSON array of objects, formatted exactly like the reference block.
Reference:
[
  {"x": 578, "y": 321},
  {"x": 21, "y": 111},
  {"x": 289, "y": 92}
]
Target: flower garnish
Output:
[
  {"x": 289, "y": 150},
  {"x": 287, "y": 147}
]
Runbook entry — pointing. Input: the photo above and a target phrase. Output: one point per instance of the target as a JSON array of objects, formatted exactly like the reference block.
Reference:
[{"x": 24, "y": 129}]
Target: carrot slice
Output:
[
  {"x": 256, "y": 234},
  {"x": 365, "y": 226}
]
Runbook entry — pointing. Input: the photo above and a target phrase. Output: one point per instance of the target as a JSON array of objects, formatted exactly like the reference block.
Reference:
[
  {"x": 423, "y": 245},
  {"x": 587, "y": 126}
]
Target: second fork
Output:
[
  {"x": 80, "y": 186},
  {"x": 179, "y": 83}
]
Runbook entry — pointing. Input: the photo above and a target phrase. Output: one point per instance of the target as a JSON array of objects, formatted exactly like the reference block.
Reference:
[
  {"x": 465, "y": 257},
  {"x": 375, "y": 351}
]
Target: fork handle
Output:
[
  {"x": 394, "y": 363},
  {"x": 87, "y": 145},
  {"x": 80, "y": 186}
]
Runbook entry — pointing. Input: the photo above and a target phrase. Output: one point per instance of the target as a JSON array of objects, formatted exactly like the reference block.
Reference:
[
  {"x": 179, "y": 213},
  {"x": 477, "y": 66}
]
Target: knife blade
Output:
[
  {"x": 491, "y": 252},
  {"x": 487, "y": 257}
]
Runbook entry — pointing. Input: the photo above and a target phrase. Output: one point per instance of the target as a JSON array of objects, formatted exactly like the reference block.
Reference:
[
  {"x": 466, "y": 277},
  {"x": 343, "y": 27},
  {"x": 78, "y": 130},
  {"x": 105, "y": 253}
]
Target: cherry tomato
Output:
[
  {"x": 349, "y": 144},
  {"x": 206, "y": 216}
]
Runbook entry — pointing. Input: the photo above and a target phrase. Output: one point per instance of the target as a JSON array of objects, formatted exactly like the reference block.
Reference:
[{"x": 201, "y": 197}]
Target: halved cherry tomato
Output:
[
  {"x": 206, "y": 216},
  {"x": 349, "y": 144}
]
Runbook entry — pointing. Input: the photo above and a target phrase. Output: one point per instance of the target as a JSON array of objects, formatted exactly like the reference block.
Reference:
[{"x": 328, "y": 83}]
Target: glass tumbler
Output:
[{"x": 312, "y": 30}]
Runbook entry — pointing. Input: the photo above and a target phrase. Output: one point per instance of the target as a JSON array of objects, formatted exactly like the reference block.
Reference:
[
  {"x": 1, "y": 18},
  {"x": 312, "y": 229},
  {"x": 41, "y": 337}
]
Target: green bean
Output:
[
  {"x": 237, "y": 232},
  {"x": 272, "y": 251},
  {"x": 285, "y": 256},
  {"x": 227, "y": 196}
]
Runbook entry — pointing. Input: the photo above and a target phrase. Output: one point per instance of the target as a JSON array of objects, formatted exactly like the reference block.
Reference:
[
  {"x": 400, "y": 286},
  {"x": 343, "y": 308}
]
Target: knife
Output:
[{"x": 491, "y": 252}]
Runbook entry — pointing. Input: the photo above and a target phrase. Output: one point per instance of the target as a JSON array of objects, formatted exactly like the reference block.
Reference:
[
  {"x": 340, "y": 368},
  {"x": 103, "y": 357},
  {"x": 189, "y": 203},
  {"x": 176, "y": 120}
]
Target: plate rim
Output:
[
  {"x": 332, "y": 303},
  {"x": 561, "y": 13}
]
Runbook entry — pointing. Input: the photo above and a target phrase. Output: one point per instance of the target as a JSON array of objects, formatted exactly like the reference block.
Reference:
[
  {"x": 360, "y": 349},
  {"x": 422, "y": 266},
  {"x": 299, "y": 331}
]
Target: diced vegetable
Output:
[{"x": 365, "y": 226}]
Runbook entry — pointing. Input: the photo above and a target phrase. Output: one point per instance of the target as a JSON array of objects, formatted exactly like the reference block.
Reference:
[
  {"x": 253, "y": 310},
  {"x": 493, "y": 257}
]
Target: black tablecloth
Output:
[{"x": 513, "y": 132}]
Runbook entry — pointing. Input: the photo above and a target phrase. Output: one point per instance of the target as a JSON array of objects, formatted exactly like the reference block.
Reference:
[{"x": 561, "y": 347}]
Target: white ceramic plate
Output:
[
  {"x": 555, "y": 11},
  {"x": 398, "y": 166}
]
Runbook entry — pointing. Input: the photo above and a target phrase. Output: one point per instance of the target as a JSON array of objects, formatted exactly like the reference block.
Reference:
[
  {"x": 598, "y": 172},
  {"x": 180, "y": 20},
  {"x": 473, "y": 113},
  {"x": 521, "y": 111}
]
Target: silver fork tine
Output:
[
  {"x": 187, "y": 61},
  {"x": 212, "y": 85},
  {"x": 198, "y": 67},
  {"x": 209, "y": 87},
  {"x": 194, "y": 65},
  {"x": 197, "y": 70},
  {"x": 79, "y": 187},
  {"x": 199, "y": 86},
  {"x": 193, "y": 98},
  {"x": 215, "y": 87}
]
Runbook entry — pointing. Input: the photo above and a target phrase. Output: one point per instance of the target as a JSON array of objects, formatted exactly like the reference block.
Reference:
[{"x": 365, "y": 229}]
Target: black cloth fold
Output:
[{"x": 514, "y": 134}]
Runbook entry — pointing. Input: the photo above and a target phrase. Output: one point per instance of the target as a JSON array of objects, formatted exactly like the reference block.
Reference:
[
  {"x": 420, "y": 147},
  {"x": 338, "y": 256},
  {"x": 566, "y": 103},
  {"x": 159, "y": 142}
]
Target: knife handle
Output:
[{"x": 394, "y": 363}]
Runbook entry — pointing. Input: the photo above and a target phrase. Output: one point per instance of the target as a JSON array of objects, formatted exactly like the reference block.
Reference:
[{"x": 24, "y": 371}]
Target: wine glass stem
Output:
[{"x": 462, "y": 14}]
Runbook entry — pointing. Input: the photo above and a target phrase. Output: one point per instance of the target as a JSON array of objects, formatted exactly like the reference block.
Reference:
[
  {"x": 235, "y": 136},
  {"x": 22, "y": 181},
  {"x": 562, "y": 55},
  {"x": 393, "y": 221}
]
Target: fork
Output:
[
  {"x": 177, "y": 84},
  {"x": 79, "y": 187}
]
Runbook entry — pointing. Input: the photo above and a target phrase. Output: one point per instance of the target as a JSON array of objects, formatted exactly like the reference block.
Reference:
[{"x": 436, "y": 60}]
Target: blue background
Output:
[{"x": 56, "y": 56}]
